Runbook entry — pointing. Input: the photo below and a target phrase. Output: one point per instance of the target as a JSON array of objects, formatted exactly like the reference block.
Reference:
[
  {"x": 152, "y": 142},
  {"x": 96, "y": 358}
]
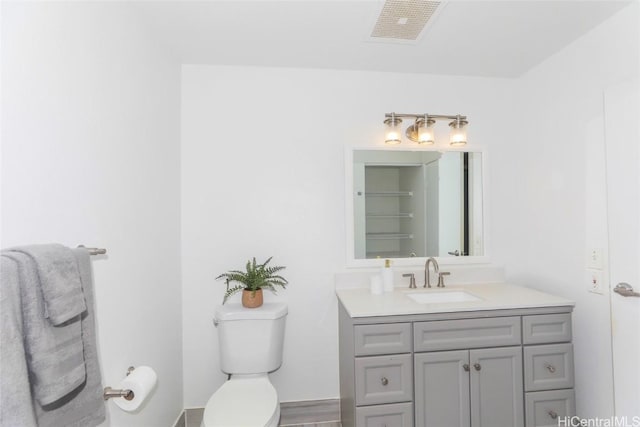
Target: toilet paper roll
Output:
[{"x": 141, "y": 382}]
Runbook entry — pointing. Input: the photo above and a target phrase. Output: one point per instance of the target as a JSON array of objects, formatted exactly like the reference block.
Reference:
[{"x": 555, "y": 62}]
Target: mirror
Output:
[{"x": 416, "y": 204}]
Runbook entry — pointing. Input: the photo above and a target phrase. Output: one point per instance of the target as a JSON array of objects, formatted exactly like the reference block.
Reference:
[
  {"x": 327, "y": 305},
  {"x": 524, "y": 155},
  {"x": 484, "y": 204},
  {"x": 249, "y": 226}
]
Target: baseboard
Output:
[
  {"x": 309, "y": 412},
  {"x": 181, "y": 421},
  {"x": 291, "y": 413}
]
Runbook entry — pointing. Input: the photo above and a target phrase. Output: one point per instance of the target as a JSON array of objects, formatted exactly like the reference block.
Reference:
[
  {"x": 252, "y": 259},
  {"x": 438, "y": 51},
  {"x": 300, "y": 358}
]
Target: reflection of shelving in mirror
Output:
[
  {"x": 389, "y": 194},
  {"x": 392, "y": 195},
  {"x": 406, "y": 215},
  {"x": 388, "y": 254},
  {"x": 388, "y": 236},
  {"x": 433, "y": 196}
]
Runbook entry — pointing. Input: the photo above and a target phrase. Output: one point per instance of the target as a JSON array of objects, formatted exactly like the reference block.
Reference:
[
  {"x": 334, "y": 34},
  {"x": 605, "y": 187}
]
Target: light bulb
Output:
[
  {"x": 458, "y": 135},
  {"x": 426, "y": 134},
  {"x": 393, "y": 134}
]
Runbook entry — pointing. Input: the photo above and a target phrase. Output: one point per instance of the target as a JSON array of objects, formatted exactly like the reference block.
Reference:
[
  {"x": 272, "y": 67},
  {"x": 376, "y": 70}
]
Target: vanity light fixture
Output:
[
  {"x": 422, "y": 129},
  {"x": 393, "y": 135},
  {"x": 458, "y": 135}
]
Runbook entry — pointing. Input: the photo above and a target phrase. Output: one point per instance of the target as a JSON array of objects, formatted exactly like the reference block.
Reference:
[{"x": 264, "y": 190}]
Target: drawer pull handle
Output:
[
  {"x": 550, "y": 368},
  {"x": 477, "y": 366},
  {"x": 384, "y": 381},
  {"x": 465, "y": 367},
  {"x": 553, "y": 414}
]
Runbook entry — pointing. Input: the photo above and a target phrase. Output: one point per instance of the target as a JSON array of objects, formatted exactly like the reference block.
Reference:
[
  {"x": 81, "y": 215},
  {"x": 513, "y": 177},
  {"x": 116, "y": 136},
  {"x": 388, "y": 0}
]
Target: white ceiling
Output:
[{"x": 478, "y": 38}]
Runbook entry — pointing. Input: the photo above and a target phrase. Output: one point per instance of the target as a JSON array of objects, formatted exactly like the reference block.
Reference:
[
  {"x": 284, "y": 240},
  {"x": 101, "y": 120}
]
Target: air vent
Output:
[{"x": 403, "y": 19}]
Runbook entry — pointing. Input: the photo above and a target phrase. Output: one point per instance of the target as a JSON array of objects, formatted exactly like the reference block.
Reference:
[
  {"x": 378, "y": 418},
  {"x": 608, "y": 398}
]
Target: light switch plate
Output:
[
  {"x": 594, "y": 259},
  {"x": 595, "y": 278}
]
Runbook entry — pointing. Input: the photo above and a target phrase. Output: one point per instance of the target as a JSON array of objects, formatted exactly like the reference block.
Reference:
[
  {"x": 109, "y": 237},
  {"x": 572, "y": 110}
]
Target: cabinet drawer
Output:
[
  {"x": 547, "y": 328},
  {"x": 383, "y": 379},
  {"x": 382, "y": 339},
  {"x": 395, "y": 415},
  {"x": 466, "y": 333},
  {"x": 545, "y": 408},
  {"x": 548, "y": 367}
]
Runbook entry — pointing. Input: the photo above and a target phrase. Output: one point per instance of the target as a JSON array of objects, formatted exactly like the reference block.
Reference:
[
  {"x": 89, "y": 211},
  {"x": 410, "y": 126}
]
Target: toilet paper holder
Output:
[{"x": 127, "y": 394}]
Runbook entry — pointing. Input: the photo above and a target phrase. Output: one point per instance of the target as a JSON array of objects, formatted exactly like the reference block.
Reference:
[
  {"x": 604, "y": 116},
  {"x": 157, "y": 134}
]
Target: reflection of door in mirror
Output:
[{"x": 416, "y": 204}]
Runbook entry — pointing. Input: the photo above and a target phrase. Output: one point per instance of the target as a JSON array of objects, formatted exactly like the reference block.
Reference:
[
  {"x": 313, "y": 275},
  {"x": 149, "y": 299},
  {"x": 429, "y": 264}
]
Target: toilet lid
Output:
[{"x": 242, "y": 402}]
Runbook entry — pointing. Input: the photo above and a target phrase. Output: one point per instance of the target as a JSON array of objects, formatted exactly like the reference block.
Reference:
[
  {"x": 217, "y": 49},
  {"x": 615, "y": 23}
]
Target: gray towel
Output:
[
  {"x": 60, "y": 280},
  {"x": 54, "y": 353},
  {"x": 16, "y": 408},
  {"x": 84, "y": 407}
]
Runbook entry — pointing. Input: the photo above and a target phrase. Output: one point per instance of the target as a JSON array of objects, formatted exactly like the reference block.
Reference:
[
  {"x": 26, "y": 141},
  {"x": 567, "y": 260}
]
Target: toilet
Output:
[{"x": 250, "y": 341}]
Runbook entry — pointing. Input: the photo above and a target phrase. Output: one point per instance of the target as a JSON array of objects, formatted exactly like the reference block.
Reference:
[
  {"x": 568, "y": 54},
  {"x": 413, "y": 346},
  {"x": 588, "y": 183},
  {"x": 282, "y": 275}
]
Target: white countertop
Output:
[{"x": 493, "y": 296}]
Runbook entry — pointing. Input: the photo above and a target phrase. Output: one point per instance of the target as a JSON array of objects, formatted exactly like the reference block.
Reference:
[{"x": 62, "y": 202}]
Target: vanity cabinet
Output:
[
  {"x": 548, "y": 369},
  {"x": 471, "y": 386},
  {"x": 480, "y": 388},
  {"x": 383, "y": 375},
  {"x": 499, "y": 368}
]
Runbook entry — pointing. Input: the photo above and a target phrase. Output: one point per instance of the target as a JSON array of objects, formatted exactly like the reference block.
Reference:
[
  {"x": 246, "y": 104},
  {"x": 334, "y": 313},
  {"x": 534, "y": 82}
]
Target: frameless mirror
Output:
[{"x": 417, "y": 204}]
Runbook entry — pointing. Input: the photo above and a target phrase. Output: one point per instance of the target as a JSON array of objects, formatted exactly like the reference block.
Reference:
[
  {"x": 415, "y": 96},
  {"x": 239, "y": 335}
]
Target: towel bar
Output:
[{"x": 94, "y": 251}]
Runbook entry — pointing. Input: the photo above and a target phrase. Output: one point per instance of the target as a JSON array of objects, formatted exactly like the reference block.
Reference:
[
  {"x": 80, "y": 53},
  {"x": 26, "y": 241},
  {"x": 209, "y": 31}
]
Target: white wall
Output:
[
  {"x": 550, "y": 200},
  {"x": 263, "y": 174},
  {"x": 90, "y": 155}
]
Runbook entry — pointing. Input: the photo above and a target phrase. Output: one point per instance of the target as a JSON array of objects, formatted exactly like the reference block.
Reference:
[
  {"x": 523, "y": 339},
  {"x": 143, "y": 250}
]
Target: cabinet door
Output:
[
  {"x": 442, "y": 389},
  {"x": 496, "y": 387}
]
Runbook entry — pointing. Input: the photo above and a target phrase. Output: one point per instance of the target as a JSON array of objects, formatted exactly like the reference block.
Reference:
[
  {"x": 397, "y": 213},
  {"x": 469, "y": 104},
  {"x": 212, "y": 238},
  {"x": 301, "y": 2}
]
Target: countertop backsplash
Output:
[{"x": 460, "y": 275}]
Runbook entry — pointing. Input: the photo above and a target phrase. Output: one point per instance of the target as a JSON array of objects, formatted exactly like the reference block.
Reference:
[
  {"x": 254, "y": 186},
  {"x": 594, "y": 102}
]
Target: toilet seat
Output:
[{"x": 243, "y": 401}]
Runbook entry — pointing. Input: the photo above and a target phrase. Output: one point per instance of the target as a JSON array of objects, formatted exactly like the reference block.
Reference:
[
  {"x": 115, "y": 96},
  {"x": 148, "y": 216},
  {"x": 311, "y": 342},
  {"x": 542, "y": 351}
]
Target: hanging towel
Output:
[
  {"x": 16, "y": 407},
  {"x": 60, "y": 280},
  {"x": 84, "y": 407},
  {"x": 54, "y": 353}
]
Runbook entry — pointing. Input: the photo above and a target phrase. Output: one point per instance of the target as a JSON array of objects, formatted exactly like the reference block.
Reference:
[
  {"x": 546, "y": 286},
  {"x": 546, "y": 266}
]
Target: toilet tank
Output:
[{"x": 250, "y": 339}]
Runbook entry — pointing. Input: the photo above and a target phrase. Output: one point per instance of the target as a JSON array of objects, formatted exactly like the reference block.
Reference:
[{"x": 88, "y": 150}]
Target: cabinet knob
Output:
[
  {"x": 477, "y": 366},
  {"x": 465, "y": 367},
  {"x": 384, "y": 381},
  {"x": 553, "y": 414},
  {"x": 550, "y": 368}
]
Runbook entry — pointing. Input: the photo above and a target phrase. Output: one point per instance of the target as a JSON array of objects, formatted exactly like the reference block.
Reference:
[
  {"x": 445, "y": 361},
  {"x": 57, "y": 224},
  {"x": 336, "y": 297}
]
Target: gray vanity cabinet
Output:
[
  {"x": 476, "y": 388},
  {"x": 548, "y": 369},
  {"x": 459, "y": 369},
  {"x": 469, "y": 388}
]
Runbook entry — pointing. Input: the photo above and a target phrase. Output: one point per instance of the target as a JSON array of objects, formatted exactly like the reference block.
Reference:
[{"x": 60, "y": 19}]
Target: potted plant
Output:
[{"x": 252, "y": 281}]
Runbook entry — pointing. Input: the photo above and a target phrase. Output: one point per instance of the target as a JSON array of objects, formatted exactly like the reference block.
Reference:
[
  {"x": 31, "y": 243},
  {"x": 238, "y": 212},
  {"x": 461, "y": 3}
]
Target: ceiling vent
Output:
[{"x": 403, "y": 19}]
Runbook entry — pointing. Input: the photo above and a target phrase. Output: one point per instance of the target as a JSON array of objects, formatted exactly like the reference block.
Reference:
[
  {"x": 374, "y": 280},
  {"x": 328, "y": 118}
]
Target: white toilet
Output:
[{"x": 250, "y": 341}]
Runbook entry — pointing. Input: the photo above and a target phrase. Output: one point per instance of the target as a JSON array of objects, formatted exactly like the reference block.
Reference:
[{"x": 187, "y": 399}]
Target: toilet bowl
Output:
[
  {"x": 243, "y": 401},
  {"x": 250, "y": 343}
]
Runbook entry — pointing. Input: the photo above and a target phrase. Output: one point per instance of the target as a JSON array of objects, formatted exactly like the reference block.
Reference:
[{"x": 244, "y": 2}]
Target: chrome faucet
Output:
[{"x": 436, "y": 270}]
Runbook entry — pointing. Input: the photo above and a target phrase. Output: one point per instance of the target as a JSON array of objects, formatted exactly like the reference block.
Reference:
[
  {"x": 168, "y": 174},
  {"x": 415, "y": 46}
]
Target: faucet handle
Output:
[
  {"x": 441, "y": 278},
  {"x": 412, "y": 280}
]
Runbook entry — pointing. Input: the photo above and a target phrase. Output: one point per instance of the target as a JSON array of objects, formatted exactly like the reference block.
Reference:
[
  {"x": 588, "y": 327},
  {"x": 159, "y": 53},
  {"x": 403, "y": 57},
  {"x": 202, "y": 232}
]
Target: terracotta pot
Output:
[{"x": 252, "y": 299}]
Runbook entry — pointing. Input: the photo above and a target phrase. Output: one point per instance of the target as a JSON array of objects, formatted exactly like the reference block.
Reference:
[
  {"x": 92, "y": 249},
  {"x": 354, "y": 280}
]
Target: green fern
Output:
[{"x": 256, "y": 276}]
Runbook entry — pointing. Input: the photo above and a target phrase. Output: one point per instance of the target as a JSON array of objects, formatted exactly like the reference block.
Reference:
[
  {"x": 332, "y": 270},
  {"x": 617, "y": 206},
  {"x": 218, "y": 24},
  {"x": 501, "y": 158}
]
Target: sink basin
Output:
[{"x": 428, "y": 297}]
